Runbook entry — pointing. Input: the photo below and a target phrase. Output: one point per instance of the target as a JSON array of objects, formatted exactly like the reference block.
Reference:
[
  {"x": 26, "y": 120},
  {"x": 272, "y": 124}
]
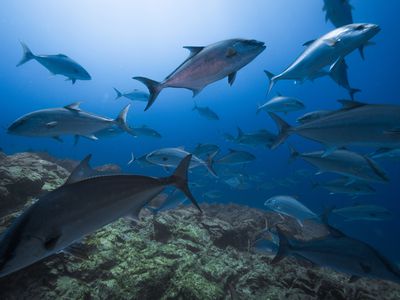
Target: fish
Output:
[
  {"x": 363, "y": 212},
  {"x": 141, "y": 160},
  {"x": 56, "y": 64},
  {"x": 328, "y": 50},
  {"x": 66, "y": 120},
  {"x": 205, "y": 149},
  {"x": 290, "y": 206},
  {"x": 314, "y": 115},
  {"x": 356, "y": 124},
  {"x": 206, "y": 112},
  {"x": 386, "y": 153},
  {"x": 281, "y": 104},
  {"x": 170, "y": 157},
  {"x": 72, "y": 211},
  {"x": 228, "y": 137},
  {"x": 258, "y": 138},
  {"x": 135, "y": 95},
  {"x": 344, "y": 162},
  {"x": 344, "y": 186},
  {"x": 235, "y": 157},
  {"x": 206, "y": 65},
  {"x": 145, "y": 131},
  {"x": 338, "y": 12},
  {"x": 340, "y": 253}
]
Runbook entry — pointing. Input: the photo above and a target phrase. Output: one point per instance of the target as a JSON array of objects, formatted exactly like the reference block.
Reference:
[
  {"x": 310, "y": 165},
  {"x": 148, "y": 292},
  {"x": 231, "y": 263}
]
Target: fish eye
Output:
[
  {"x": 164, "y": 158},
  {"x": 360, "y": 27}
]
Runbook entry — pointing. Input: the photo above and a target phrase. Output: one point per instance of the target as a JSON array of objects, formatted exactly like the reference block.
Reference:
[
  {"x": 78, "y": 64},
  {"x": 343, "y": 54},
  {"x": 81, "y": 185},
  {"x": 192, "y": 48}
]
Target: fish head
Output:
[
  {"x": 359, "y": 34},
  {"x": 248, "y": 48},
  {"x": 163, "y": 158},
  {"x": 25, "y": 243},
  {"x": 23, "y": 125},
  {"x": 80, "y": 73},
  {"x": 155, "y": 134}
]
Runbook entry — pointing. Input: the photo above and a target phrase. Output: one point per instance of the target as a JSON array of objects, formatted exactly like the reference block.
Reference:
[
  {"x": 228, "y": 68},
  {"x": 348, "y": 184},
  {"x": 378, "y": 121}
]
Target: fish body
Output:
[
  {"x": 282, "y": 104},
  {"x": 343, "y": 186},
  {"x": 328, "y": 50},
  {"x": 346, "y": 163},
  {"x": 235, "y": 157},
  {"x": 386, "y": 153},
  {"x": 206, "y": 65},
  {"x": 57, "y": 64},
  {"x": 314, "y": 115},
  {"x": 68, "y": 120},
  {"x": 206, "y": 112},
  {"x": 170, "y": 157},
  {"x": 258, "y": 138},
  {"x": 205, "y": 149},
  {"x": 341, "y": 253},
  {"x": 360, "y": 125},
  {"x": 291, "y": 207},
  {"x": 363, "y": 212},
  {"x": 135, "y": 95},
  {"x": 76, "y": 209}
]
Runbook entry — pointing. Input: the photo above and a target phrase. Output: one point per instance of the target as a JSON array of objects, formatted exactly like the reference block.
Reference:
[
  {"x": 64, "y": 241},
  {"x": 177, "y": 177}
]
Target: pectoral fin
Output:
[
  {"x": 231, "y": 78},
  {"x": 51, "y": 124}
]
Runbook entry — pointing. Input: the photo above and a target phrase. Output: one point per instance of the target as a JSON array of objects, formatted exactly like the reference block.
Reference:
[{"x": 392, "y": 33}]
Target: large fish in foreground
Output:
[
  {"x": 66, "y": 120},
  {"x": 206, "y": 65},
  {"x": 78, "y": 208},
  {"x": 57, "y": 64},
  {"x": 328, "y": 50},
  {"x": 341, "y": 253},
  {"x": 357, "y": 124}
]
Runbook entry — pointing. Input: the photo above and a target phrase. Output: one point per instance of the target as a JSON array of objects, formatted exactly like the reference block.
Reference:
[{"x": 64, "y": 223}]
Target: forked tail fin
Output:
[
  {"x": 154, "y": 88},
  {"x": 180, "y": 180},
  {"x": 26, "y": 56}
]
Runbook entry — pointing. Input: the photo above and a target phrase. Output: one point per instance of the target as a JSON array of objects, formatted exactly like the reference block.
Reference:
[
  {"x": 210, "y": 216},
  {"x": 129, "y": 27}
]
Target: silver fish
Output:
[
  {"x": 57, "y": 64},
  {"x": 206, "y": 112},
  {"x": 74, "y": 210},
  {"x": 135, "y": 95},
  {"x": 344, "y": 186},
  {"x": 386, "y": 153},
  {"x": 346, "y": 163},
  {"x": 170, "y": 157},
  {"x": 205, "y": 149},
  {"x": 258, "y": 138},
  {"x": 328, "y": 50},
  {"x": 206, "y": 65},
  {"x": 290, "y": 206},
  {"x": 235, "y": 157},
  {"x": 341, "y": 253},
  {"x": 363, "y": 212},
  {"x": 66, "y": 120},
  {"x": 357, "y": 124},
  {"x": 281, "y": 104}
]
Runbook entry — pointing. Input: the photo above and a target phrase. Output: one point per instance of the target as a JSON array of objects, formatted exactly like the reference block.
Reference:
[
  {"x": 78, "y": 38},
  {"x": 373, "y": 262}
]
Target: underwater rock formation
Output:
[{"x": 176, "y": 254}]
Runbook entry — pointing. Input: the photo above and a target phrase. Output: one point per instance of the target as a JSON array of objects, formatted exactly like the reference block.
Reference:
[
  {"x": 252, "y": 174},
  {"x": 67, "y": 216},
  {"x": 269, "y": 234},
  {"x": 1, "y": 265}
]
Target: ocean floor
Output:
[{"x": 176, "y": 254}]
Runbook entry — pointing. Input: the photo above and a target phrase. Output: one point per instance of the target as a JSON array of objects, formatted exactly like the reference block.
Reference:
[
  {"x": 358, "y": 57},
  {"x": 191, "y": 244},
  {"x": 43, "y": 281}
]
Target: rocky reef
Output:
[{"x": 176, "y": 254}]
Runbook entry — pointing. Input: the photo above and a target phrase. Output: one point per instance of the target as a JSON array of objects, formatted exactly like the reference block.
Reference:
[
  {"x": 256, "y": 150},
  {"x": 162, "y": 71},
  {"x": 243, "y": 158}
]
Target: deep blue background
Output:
[{"x": 115, "y": 40}]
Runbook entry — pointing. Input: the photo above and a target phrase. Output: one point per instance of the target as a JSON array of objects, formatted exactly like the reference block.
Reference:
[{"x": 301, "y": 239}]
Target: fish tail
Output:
[
  {"x": 195, "y": 105},
  {"x": 284, "y": 130},
  {"x": 154, "y": 88},
  {"x": 293, "y": 153},
  {"x": 26, "y": 56},
  {"x": 180, "y": 180},
  {"x": 210, "y": 163},
  {"x": 272, "y": 80},
  {"x": 284, "y": 246},
  {"x": 119, "y": 94},
  {"x": 121, "y": 120}
]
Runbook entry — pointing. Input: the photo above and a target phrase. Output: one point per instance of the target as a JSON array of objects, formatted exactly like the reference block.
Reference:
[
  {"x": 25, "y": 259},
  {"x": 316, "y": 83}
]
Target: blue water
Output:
[{"x": 120, "y": 39}]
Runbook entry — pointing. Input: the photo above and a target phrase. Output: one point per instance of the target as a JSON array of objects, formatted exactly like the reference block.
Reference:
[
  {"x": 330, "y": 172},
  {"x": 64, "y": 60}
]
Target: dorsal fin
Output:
[
  {"x": 194, "y": 50},
  {"x": 73, "y": 106},
  {"x": 308, "y": 43},
  {"x": 81, "y": 171},
  {"x": 350, "y": 104}
]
